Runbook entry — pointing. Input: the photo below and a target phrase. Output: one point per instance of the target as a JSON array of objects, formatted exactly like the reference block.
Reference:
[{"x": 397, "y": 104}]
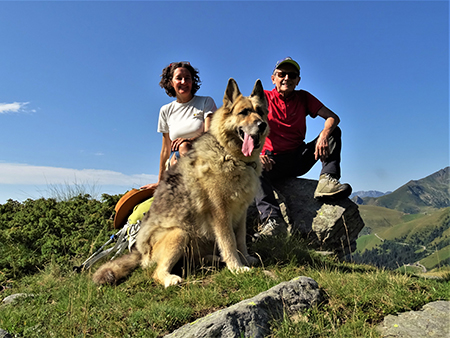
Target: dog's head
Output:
[{"x": 240, "y": 125}]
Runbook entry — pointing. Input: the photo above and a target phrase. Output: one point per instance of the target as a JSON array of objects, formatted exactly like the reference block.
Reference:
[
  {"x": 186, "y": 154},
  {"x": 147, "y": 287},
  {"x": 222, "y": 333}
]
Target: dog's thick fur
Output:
[{"x": 201, "y": 202}]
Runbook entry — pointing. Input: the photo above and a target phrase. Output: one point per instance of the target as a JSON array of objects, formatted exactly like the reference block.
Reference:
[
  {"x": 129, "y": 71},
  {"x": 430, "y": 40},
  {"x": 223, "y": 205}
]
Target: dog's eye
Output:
[
  {"x": 244, "y": 112},
  {"x": 259, "y": 111}
]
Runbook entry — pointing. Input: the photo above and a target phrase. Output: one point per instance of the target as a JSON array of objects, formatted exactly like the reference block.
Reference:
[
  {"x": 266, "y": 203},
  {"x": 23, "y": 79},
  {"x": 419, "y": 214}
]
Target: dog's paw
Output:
[
  {"x": 172, "y": 280},
  {"x": 250, "y": 260},
  {"x": 240, "y": 269}
]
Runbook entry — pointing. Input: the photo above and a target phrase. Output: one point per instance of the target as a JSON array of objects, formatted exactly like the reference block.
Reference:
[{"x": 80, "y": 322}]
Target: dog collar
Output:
[{"x": 252, "y": 164}]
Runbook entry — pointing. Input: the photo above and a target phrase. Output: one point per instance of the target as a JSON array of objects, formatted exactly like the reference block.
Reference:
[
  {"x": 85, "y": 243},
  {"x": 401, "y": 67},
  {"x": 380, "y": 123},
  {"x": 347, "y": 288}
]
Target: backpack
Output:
[{"x": 132, "y": 207}]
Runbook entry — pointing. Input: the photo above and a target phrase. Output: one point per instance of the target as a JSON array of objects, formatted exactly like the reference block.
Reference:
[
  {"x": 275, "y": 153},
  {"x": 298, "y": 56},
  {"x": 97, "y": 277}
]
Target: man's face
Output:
[{"x": 285, "y": 85}]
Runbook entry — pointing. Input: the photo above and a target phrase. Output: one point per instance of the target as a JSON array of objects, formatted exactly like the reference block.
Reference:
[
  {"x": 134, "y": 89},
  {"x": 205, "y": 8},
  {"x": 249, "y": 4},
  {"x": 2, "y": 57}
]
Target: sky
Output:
[{"x": 80, "y": 95}]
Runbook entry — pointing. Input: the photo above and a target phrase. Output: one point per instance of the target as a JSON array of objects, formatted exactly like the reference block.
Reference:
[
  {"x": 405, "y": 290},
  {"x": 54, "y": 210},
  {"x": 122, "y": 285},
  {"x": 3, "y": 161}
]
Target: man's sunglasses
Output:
[{"x": 291, "y": 75}]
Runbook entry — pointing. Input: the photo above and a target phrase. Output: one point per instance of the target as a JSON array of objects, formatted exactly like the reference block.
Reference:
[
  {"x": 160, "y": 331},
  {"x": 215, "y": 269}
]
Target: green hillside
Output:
[
  {"x": 436, "y": 259},
  {"x": 407, "y": 226},
  {"x": 379, "y": 219},
  {"x": 367, "y": 242},
  {"x": 408, "y": 239},
  {"x": 420, "y": 230},
  {"x": 418, "y": 196}
]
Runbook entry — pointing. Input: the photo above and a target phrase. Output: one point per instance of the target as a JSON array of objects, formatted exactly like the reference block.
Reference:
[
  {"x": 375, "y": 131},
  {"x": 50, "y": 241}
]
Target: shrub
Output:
[{"x": 35, "y": 232}]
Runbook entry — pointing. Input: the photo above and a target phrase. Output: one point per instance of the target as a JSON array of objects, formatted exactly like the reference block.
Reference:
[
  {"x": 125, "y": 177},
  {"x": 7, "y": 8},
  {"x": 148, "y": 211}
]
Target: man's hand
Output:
[
  {"x": 331, "y": 121},
  {"x": 266, "y": 162},
  {"x": 322, "y": 148}
]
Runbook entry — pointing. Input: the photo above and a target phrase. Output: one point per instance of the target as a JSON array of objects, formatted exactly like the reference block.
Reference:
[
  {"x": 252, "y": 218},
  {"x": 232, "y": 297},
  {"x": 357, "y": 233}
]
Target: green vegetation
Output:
[
  {"x": 36, "y": 232},
  {"x": 410, "y": 225},
  {"x": 423, "y": 238},
  {"x": 422, "y": 196},
  {"x": 42, "y": 240}
]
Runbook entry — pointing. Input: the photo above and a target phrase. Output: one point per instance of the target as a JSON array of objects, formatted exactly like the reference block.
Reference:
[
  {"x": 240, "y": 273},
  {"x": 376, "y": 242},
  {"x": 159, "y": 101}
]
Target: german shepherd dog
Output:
[{"x": 201, "y": 202}]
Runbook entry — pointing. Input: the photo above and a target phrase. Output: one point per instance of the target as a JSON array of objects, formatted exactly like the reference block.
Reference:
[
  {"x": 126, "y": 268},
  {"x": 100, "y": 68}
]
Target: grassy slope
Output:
[
  {"x": 391, "y": 224},
  {"x": 432, "y": 261},
  {"x": 415, "y": 226},
  {"x": 367, "y": 242},
  {"x": 357, "y": 299},
  {"x": 379, "y": 219}
]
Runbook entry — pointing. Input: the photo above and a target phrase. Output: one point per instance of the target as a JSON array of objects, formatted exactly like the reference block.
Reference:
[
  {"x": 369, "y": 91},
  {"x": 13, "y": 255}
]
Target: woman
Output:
[{"x": 184, "y": 119}]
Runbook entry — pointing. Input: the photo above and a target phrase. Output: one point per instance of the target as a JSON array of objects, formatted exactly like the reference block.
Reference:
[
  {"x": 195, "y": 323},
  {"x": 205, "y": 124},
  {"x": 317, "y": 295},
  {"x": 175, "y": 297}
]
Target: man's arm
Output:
[{"x": 331, "y": 121}]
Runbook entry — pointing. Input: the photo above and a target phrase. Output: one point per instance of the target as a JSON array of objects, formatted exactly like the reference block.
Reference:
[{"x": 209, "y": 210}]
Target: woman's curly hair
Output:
[{"x": 167, "y": 76}]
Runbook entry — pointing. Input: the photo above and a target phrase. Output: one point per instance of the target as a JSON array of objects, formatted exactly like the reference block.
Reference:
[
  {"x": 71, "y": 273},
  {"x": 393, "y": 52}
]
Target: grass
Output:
[
  {"x": 66, "y": 304},
  {"x": 66, "y": 191},
  {"x": 436, "y": 257},
  {"x": 378, "y": 218},
  {"x": 367, "y": 242}
]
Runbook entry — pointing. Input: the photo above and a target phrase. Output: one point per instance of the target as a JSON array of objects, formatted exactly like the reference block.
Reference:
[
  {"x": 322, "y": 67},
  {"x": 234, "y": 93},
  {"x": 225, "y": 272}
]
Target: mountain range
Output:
[
  {"x": 429, "y": 193},
  {"x": 407, "y": 227},
  {"x": 370, "y": 193}
]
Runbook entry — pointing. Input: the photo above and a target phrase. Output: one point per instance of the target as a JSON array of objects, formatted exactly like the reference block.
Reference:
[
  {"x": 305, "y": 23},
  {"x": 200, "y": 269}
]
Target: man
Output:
[{"x": 285, "y": 153}]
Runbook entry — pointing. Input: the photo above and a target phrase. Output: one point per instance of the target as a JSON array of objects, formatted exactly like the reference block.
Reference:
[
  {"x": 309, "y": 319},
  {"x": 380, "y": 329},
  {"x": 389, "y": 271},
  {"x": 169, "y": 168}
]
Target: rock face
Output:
[
  {"x": 431, "y": 321},
  {"x": 329, "y": 226},
  {"x": 252, "y": 317}
]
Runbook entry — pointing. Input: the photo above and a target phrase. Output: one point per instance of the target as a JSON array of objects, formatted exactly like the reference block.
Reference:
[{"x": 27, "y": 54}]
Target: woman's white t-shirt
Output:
[{"x": 185, "y": 120}]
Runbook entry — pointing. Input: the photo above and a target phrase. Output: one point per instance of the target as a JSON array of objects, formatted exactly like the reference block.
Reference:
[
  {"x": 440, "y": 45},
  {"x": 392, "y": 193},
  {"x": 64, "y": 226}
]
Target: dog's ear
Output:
[
  {"x": 258, "y": 91},
  {"x": 231, "y": 93}
]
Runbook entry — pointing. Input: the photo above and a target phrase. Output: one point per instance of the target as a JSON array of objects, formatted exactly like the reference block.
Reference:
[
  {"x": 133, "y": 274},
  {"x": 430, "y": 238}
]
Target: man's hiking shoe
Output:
[
  {"x": 329, "y": 187},
  {"x": 272, "y": 227}
]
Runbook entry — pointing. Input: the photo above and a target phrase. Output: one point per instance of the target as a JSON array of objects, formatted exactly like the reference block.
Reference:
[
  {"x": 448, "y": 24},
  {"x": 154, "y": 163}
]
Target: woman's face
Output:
[{"x": 182, "y": 83}]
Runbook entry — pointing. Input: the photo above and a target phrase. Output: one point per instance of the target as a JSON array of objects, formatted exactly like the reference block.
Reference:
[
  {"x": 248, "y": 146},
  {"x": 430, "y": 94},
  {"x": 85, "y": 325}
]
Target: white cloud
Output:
[
  {"x": 23, "y": 174},
  {"x": 15, "y": 107}
]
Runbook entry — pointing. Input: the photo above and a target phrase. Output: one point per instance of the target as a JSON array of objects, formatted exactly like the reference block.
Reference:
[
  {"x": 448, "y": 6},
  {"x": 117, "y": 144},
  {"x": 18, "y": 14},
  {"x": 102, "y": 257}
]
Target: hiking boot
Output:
[
  {"x": 272, "y": 227},
  {"x": 329, "y": 187}
]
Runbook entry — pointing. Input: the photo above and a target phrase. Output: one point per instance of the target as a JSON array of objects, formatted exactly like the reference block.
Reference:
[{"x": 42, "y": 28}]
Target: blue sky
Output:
[{"x": 79, "y": 93}]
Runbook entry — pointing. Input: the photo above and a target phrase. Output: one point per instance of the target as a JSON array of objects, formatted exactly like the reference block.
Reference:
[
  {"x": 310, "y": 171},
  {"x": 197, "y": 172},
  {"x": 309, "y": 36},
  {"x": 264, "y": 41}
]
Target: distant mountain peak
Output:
[
  {"x": 369, "y": 193},
  {"x": 416, "y": 195}
]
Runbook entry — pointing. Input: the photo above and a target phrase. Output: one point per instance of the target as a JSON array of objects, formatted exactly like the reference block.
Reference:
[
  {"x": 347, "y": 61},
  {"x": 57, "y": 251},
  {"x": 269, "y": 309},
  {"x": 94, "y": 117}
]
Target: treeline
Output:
[{"x": 390, "y": 254}]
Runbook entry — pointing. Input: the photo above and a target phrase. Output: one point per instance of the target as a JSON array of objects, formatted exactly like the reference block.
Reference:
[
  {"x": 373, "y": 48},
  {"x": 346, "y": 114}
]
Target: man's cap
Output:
[
  {"x": 287, "y": 60},
  {"x": 127, "y": 203}
]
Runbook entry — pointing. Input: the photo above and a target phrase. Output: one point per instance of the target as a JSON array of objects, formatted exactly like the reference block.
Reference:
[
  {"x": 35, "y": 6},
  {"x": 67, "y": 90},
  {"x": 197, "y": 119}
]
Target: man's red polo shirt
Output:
[{"x": 287, "y": 119}]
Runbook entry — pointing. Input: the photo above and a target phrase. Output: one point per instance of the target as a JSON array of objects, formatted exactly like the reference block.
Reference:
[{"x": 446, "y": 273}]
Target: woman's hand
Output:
[
  {"x": 149, "y": 186},
  {"x": 177, "y": 142}
]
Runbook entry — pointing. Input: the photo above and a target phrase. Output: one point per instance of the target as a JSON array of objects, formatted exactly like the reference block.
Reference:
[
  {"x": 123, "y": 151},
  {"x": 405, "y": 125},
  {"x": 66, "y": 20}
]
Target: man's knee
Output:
[{"x": 337, "y": 133}]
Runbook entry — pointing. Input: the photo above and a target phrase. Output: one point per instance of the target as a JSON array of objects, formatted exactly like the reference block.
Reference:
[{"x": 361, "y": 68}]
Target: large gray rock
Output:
[
  {"x": 5, "y": 334},
  {"x": 252, "y": 317},
  {"x": 328, "y": 226},
  {"x": 433, "y": 320}
]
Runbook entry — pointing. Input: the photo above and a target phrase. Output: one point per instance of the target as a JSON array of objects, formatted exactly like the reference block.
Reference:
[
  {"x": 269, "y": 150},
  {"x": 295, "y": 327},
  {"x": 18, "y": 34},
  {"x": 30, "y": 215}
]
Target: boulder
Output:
[
  {"x": 5, "y": 334},
  {"x": 327, "y": 225},
  {"x": 252, "y": 317},
  {"x": 430, "y": 321}
]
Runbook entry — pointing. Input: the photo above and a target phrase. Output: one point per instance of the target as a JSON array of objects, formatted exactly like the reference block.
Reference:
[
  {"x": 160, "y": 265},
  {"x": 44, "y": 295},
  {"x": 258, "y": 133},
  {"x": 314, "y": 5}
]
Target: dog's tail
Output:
[{"x": 113, "y": 271}]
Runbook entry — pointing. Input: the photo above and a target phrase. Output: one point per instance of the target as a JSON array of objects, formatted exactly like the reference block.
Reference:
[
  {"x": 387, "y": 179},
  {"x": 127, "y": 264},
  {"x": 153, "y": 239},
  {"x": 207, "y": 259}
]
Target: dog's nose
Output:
[{"x": 262, "y": 126}]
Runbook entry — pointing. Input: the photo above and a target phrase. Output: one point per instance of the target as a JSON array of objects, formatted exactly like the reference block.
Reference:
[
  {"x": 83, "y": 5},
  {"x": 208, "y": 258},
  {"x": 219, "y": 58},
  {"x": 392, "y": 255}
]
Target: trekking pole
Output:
[{"x": 82, "y": 266}]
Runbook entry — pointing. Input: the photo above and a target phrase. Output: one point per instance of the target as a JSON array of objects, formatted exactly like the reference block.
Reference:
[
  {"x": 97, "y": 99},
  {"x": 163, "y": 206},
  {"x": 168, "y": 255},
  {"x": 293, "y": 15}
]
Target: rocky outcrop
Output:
[
  {"x": 328, "y": 226},
  {"x": 5, "y": 334},
  {"x": 252, "y": 317},
  {"x": 431, "y": 321}
]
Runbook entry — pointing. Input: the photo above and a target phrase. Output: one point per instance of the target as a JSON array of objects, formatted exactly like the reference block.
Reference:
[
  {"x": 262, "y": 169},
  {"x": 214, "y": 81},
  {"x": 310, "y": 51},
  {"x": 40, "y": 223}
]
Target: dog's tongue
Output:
[{"x": 247, "y": 146}]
